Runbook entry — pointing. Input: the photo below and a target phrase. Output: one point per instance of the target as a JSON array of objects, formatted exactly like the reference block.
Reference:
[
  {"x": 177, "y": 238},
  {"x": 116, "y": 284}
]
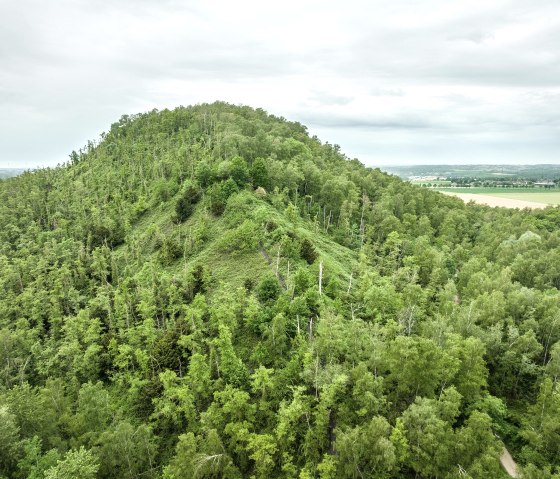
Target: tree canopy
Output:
[{"x": 210, "y": 292}]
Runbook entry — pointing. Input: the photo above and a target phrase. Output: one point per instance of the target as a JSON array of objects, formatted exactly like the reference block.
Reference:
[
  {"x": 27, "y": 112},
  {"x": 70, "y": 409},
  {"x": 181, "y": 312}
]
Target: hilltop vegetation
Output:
[{"x": 161, "y": 313}]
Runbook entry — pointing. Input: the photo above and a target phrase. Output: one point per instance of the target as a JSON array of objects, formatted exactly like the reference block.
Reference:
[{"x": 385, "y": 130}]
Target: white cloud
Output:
[{"x": 391, "y": 82}]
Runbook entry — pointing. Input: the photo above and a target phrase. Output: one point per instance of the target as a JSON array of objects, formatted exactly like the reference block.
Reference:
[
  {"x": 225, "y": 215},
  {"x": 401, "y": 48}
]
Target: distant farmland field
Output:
[{"x": 520, "y": 197}]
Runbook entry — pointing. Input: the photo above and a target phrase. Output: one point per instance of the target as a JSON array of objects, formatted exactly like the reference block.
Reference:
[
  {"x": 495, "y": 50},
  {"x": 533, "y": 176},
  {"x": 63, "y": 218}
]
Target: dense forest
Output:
[{"x": 210, "y": 292}]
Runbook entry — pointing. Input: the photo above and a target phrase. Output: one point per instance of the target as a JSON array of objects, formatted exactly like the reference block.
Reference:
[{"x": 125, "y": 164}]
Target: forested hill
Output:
[{"x": 163, "y": 314}]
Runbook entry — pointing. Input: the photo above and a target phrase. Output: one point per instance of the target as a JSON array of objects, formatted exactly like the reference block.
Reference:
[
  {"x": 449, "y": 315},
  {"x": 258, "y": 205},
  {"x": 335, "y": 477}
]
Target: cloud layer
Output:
[{"x": 391, "y": 82}]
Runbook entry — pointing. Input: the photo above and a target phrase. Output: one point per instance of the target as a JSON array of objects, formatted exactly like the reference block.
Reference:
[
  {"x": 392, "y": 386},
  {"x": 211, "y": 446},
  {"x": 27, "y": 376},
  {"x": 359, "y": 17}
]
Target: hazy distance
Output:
[{"x": 392, "y": 83}]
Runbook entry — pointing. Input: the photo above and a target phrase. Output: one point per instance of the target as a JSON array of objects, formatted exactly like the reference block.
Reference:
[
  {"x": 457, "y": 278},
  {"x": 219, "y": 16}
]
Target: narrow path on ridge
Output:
[{"x": 269, "y": 261}]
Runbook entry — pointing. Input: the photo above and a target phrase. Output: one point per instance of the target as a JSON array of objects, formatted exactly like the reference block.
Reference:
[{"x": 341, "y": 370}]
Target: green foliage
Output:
[
  {"x": 242, "y": 239},
  {"x": 259, "y": 174},
  {"x": 81, "y": 463},
  {"x": 164, "y": 190},
  {"x": 169, "y": 251},
  {"x": 204, "y": 174},
  {"x": 366, "y": 450},
  {"x": 186, "y": 202},
  {"x": 149, "y": 329},
  {"x": 308, "y": 252},
  {"x": 219, "y": 194},
  {"x": 34, "y": 464},
  {"x": 238, "y": 171},
  {"x": 127, "y": 451},
  {"x": 268, "y": 289},
  {"x": 10, "y": 436},
  {"x": 182, "y": 464}
]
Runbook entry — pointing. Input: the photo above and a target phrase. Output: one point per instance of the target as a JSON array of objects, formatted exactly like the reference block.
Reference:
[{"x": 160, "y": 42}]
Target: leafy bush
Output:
[
  {"x": 268, "y": 289},
  {"x": 164, "y": 190},
  {"x": 243, "y": 238},
  {"x": 259, "y": 174},
  {"x": 81, "y": 463},
  {"x": 105, "y": 231},
  {"x": 219, "y": 194},
  {"x": 185, "y": 205},
  {"x": 308, "y": 252},
  {"x": 197, "y": 282},
  {"x": 204, "y": 174},
  {"x": 169, "y": 252},
  {"x": 239, "y": 171}
]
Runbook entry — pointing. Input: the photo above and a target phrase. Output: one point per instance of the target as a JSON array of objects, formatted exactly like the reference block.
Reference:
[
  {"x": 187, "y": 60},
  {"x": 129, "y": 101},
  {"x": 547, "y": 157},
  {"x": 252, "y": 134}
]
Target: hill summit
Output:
[{"x": 209, "y": 292}]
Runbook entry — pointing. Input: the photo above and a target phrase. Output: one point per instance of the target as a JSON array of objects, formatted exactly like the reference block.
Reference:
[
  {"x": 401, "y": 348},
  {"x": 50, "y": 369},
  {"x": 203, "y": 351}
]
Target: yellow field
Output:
[
  {"x": 497, "y": 201},
  {"x": 517, "y": 198}
]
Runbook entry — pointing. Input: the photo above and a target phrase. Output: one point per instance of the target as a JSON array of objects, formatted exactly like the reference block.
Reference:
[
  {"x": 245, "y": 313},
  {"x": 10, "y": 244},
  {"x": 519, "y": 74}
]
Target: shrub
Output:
[
  {"x": 241, "y": 239},
  {"x": 169, "y": 252},
  {"x": 259, "y": 174},
  {"x": 164, "y": 190},
  {"x": 308, "y": 252},
  {"x": 219, "y": 194},
  {"x": 185, "y": 205},
  {"x": 268, "y": 289},
  {"x": 249, "y": 284},
  {"x": 239, "y": 171},
  {"x": 204, "y": 174},
  {"x": 271, "y": 226},
  {"x": 105, "y": 231},
  {"x": 196, "y": 283},
  {"x": 302, "y": 281}
]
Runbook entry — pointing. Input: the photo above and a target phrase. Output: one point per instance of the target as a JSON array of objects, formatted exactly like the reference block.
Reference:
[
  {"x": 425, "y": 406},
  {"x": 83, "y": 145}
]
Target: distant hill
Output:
[
  {"x": 9, "y": 172},
  {"x": 531, "y": 172},
  {"x": 209, "y": 292}
]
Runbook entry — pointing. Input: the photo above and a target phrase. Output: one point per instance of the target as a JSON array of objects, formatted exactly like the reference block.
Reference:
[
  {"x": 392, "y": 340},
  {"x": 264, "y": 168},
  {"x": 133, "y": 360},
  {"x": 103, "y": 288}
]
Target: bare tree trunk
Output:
[
  {"x": 350, "y": 283},
  {"x": 321, "y": 277},
  {"x": 362, "y": 226}
]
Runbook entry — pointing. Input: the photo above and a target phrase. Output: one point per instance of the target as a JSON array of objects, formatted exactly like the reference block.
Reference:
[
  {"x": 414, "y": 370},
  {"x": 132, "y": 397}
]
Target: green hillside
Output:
[{"x": 210, "y": 292}]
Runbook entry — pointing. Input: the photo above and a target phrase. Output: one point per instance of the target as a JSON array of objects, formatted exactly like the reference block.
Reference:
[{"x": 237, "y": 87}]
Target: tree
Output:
[
  {"x": 9, "y": 432},
  {"x": 418, "y": 367},
  {"x": 430, "y": 439},
  {"x": 268, "y": 289},
  {"x": 541, "y": 428},
  {"x": 185, "y": 204},
  {"x": 94, "y": 412},
  {"x": 183, "y": 463},
  {"x": 219, "y": 194},
  {"x": 34, "y": 463},
  {"x": 239, "y": 171},
  {"x": 76, "y": 464},
  {"x": 308, "y": 252},
  {"x": 231, "y": 367},
  {"x": 262, "y": 448},
  {"x": 259, "y": 174},
  {"x": 366, "y": 451},
  {"x": 126, "y": 451}
]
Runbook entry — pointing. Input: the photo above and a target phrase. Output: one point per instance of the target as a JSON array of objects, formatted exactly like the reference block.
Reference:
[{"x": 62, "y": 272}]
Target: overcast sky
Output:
[{"x": 391, "y": 82}]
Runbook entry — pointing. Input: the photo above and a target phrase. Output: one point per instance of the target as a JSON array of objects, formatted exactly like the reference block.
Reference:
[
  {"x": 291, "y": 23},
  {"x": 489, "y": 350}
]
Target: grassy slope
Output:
[{"x": 231, "y": 269}]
